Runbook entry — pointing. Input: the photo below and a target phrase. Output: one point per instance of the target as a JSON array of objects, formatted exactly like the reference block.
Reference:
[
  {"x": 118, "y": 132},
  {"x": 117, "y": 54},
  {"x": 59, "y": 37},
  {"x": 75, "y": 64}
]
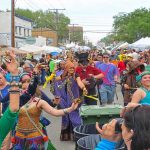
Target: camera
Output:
[{"x": 118, "y": 125}]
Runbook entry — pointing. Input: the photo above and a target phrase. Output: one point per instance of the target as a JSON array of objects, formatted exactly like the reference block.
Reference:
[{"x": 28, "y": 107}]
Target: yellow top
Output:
[{"x": 25, "y": 129}]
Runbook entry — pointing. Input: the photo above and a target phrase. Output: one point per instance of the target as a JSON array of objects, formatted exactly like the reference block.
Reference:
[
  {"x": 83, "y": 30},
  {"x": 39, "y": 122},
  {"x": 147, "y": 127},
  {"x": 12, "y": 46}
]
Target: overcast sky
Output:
[{"x": 93, "y": 15}]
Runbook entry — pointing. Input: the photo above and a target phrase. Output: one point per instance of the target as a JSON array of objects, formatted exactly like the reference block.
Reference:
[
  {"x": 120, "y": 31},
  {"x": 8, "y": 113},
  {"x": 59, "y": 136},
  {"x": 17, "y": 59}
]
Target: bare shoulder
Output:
[
  {"x": 138, "y": 95},
  {"x": 139, "y": 90}
]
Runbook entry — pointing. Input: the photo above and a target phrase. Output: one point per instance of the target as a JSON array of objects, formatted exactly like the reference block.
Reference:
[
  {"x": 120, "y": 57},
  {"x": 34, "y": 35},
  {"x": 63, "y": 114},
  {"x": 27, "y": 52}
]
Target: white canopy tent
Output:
[
  {"x": 142, "y": 43},
  {"x": 50, "y": 49},
  {"x": 124, "y": 45},
  {"x": 31, "y": 49},
  {"x": 71, "y": 45},
  {"x": 86, "y": 48}
]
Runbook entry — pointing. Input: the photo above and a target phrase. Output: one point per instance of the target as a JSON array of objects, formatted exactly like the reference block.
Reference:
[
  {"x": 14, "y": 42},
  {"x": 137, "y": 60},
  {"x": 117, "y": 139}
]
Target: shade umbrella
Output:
[{"x": 51, "y": 49}]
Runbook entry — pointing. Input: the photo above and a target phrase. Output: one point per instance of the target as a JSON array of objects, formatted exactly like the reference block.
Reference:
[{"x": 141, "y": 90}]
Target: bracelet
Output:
[
  {"x": 14, "y": 91},
  {"x": 83, "y": 88},
  {"x": 12, "y": 84},
  {"x": 65, "y": 111}
]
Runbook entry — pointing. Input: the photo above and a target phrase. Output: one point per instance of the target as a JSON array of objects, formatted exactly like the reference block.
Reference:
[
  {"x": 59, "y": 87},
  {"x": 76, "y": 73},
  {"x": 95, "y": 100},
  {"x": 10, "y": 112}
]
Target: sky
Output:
[{"x": 94, "y": 15}]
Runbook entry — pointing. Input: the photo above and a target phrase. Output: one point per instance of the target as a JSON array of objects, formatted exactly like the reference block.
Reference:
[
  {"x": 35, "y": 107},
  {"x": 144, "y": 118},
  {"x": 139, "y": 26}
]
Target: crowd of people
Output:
[{"x": 74, "y": 78}]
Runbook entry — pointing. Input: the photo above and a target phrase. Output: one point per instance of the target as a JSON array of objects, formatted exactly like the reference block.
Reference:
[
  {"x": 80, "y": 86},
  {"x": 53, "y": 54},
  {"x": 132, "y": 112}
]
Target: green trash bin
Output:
[{"x": 102, "y": 114}]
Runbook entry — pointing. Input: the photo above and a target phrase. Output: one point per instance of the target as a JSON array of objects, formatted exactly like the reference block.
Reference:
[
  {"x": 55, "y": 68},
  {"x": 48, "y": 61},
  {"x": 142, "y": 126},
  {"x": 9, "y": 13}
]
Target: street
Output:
[{"x": 54, "y": 128}]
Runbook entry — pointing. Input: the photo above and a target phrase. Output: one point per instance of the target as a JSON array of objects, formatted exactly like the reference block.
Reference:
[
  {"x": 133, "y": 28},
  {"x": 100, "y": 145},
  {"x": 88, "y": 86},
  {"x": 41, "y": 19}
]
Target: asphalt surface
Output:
[{"x": 55, "y": 126}]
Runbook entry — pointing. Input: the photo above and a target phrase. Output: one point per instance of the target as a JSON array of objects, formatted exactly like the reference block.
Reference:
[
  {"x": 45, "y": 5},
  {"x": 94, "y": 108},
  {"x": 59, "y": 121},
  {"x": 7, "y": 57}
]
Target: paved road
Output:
[{"x": 54, "y": 128}]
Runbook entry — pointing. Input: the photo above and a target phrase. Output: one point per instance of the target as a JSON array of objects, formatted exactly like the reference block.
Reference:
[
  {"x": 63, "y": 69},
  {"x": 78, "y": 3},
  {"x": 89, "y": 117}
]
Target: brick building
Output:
[{"x": 51, "y": 36}]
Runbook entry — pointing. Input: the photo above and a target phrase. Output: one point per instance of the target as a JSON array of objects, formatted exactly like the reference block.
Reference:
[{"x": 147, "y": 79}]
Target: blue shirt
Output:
[
  {"x": 109, "y": 71},
  {"x": 98, "y": 63},
  {"x": 106, "y": 145},
  {"x": 8, "y": 77},
  {"x": 3, "y": 93},
  {"x": 146, "y": 99}
]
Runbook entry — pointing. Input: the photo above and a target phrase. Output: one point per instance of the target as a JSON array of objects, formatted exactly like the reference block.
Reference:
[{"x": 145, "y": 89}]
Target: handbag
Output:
[{"x": 48, "y": 145}]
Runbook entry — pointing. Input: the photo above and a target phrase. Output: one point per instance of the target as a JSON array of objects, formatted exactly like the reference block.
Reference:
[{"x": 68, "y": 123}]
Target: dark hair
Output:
[
  {"x": 22, "y": 63},
  {"x": 106, "y": 54},
  {"x": 134, "y": 50},
  {"x": 43, "y": 55},
  {"x": 3, "y": 66},
  {"x": 100, "y": 54},
  {"x": 138, "y": 119},
  {"x": 49, "y": 54},
  {"x": 34, "y": 60},
  {"x": 141, "y": 58}
]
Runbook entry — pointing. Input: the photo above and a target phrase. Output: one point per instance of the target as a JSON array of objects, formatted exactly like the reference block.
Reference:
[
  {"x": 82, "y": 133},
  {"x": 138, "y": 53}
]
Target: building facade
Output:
[
  {"x": 75, "y": 33},
  {"x": 51, "y": 36},
  {"x": 23, "y": 27}
]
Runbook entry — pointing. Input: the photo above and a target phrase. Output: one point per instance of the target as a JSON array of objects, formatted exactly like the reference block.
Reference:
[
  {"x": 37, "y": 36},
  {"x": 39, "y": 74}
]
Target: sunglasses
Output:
[
  {"x": 26, "y": 81},
  {"x": 105, "y": 57}
]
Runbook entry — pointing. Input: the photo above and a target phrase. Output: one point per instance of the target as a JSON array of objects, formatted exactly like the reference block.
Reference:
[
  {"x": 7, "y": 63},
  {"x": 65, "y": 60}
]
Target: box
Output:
[{"x": 93, "y": 113}]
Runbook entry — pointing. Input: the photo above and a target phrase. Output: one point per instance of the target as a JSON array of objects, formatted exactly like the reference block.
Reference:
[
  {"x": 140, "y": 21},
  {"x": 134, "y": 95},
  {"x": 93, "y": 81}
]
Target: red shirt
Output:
[
  {"x": 121, "y": 66},
  {"x": 84, "y": 73}
]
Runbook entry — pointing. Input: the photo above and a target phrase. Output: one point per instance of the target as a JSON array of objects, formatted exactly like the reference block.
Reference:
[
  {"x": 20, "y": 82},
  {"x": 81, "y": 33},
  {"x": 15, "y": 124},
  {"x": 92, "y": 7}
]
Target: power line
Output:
[
  {"x": 13, "y": 23},
  {"x": 28, "y": 4},
  {"x": 61, "y": 4},
  {"x": 56, "y": 18},
  {"x": 31, "y": 2},
  {"x": 47, "y": 4},
  {"x": 50, "y": 4},
  {"x": 96, "y": 25},
  {"x": 73, "y": 25},
  {"x": 90, "y": 31}
]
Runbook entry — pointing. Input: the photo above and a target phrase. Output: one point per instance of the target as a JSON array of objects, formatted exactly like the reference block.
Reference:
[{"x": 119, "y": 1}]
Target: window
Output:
[
  {"x": 24, "y": 32},
  {"x": 28, "y": 32},
  {"x": 19, "y": 30},
  {"x": 16, "y": 30}
]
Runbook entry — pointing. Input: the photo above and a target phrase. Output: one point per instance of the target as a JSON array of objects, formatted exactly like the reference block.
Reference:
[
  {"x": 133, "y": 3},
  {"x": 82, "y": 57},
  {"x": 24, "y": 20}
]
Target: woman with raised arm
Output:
[
  {"x": 29, "y": 134},
  {"x": 8, "y": 119},
  {"x": 11, "y": 66}
]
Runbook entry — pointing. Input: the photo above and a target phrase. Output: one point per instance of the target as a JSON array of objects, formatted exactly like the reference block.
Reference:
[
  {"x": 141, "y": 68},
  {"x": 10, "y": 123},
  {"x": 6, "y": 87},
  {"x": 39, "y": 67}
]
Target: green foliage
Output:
[
  {"x": 109, "y": 39},
  {"x": 130, "y": 26},
  {"x": 47, "y": 19}
]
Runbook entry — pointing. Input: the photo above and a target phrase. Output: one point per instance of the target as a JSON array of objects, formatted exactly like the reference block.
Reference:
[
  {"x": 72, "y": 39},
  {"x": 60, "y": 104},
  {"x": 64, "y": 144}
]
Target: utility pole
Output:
[
  {"x": 13, "y": 23},
  {"x": 73, "y": 25},
  {"x": 57, "y": 19}
]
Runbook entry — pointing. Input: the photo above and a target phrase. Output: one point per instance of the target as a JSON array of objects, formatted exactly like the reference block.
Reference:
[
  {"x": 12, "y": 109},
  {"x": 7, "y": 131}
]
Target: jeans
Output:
[
  {"x": 107, "y": 93},
  {"x": 43, "y": 74}
]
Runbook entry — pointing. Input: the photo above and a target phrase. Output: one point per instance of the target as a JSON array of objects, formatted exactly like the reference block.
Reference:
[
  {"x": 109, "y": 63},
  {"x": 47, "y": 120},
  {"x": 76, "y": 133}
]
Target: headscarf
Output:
[
  {"x": 139, "y": 77},
  {"x": 24, "y": 74}
]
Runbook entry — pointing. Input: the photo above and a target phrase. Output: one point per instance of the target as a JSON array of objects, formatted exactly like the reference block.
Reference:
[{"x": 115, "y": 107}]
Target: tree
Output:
[
  {"x": 47, "y": 19},
  {"x": 132, "y": 26},
  {"x": 109, "y": 39},
  {"x": 129, "y": 27}
]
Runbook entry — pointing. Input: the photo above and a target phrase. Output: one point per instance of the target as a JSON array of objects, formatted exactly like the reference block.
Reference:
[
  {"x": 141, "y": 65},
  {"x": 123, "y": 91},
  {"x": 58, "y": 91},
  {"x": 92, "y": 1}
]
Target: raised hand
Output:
[
  {"x": 11, "y": 63},
  {"x": 75, "y": 104},
  {"x": 108, "y": 131}
]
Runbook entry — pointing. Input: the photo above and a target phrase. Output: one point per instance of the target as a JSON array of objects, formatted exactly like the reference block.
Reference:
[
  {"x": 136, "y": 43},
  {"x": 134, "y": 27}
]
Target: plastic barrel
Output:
[
  {"x": 84, "y": 130},
  {"x": 88, "y": 142}
]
